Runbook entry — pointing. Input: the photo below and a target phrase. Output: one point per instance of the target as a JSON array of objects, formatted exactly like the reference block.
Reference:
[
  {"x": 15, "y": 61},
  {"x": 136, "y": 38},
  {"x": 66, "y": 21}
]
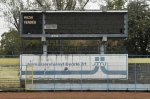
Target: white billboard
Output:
[{"x": 74, "y": 66}]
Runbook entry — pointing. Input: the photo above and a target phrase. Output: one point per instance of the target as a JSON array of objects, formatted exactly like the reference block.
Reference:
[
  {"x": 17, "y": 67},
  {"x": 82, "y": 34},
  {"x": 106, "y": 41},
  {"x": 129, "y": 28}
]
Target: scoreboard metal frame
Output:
[{"x": 29, "y": 19}]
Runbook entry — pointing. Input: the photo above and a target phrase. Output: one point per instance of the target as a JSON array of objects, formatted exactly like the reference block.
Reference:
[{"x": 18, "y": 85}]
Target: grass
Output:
[
  {"x": 9, "y": 61},
  {"x": 9, "y": 72}
]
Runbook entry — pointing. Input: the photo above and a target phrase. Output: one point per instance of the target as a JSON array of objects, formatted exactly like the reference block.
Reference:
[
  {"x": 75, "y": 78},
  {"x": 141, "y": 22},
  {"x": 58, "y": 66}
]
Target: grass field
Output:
[
  {"x": 9, "y": 61},
  {"x": 74, "y": 95},
  {"x": 9, "y": 73}
]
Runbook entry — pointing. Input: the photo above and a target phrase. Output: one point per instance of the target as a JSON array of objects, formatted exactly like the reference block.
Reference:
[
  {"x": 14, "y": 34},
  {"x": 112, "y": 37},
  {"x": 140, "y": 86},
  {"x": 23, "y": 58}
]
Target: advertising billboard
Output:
[{"x": 73, "y": 66}]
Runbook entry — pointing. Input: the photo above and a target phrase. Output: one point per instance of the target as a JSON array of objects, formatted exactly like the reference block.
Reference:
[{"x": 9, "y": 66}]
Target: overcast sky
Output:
[{"x": 3, "y": 24}]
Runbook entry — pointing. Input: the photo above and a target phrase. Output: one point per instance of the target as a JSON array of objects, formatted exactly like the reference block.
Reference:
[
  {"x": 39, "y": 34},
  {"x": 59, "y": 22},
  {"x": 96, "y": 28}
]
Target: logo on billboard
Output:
[{"x": 100, "y": 61}]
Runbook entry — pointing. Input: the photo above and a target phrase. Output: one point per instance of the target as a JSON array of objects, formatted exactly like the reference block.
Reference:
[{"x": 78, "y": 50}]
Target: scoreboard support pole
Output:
[
  {"x": 43, "y": 37},
  {"x": 44, "y": 46},
  {"x": 102, "y": 49},
  {"x": 102, "y": 46}
]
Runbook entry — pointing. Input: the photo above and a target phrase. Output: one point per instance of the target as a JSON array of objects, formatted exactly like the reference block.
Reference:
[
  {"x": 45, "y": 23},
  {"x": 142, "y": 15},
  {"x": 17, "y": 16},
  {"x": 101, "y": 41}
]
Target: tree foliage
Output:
[
  {"x": 115, "y": 4},
  {"x": 138, "y": 41},
  {"x": 10, "y": 43},
  {"x": 139, "y": 28}
]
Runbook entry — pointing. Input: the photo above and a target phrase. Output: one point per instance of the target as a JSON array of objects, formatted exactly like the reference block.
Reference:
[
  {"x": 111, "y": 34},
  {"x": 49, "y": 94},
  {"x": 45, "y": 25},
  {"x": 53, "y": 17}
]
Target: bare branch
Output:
[
  {"x": 85, "y": 4},
  {"x": 16, "y": 22},
  {"x": 40, "y": 3}
]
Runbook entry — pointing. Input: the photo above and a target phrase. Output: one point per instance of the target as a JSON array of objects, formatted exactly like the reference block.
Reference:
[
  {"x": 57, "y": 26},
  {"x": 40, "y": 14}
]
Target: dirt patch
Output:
[{"x": 74, "y": 95}]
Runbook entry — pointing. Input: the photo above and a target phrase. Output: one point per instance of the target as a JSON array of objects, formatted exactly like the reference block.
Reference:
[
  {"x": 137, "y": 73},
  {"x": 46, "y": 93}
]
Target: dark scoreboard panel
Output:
[
  {"x": 32, "y": 23},
  {"x": 86, "y": 23},
  {"x": 76, "y": 24}
]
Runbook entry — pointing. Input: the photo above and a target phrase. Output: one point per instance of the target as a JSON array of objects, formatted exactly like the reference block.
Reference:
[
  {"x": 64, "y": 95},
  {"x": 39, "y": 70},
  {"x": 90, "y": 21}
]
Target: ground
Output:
[{"x": 74, "y": 95}]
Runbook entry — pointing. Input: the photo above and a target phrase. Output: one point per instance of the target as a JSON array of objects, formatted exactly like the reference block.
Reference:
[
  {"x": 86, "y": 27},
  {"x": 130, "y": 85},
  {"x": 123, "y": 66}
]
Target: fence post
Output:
[
  {"x": 25, "y": 78},
  {"x": 54, "y": 79},
  {"x": 135, "y": 76},
  {"x": 32, "y": 76},
  {"x": 107, "y": 81},
  {"x": 81, "y": 76}
]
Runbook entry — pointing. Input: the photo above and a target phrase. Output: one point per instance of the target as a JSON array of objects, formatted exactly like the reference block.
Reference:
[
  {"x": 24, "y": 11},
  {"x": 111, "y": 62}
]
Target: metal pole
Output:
[
  {"x": 26, "y": 79},
  {"x": 135, "y": 76},
  {"x": 43, "y": 37},
  {"x": 102, "y": 46},
  {"x": 45, "y": 48},
  {"x": 81, "y": 75},
  {"x": 102, "y": 49},
  {"x": 54, "y": 80},
  {"x": 107, "y": 81},
  {"x": 32, "y": 76}
]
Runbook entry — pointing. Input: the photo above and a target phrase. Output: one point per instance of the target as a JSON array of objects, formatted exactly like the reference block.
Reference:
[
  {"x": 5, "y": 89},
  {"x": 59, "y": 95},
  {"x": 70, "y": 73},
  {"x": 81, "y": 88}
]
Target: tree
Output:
[
  {"x": 138, "y": 41},
  {"x": 139, "y": 30},
  {"x": 11, "y": 10},
  {"x": 62, "y": 4},
  {"x": 115, "y": 4},
  {"x": 10, "y": 42}
]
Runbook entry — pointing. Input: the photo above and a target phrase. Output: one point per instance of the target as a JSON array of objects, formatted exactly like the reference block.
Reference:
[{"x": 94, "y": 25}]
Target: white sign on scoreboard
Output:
[{"x": 74, "y": 66}]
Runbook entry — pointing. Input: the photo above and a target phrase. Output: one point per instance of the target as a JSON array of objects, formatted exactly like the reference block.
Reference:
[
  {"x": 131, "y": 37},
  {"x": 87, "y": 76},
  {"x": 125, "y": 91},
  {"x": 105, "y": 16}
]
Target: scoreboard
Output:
[{"x": 73, "y": 24}]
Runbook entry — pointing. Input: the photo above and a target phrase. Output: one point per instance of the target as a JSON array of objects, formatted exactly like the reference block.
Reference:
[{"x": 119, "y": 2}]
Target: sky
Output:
[{"x": 4, "y": 26}]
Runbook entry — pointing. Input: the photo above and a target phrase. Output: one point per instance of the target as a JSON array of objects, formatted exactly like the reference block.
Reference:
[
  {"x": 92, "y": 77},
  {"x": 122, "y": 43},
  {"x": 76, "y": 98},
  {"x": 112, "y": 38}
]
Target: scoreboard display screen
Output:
[
  {"x": 85, "y": 23},
  {"x": 75, "y": 24}
]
